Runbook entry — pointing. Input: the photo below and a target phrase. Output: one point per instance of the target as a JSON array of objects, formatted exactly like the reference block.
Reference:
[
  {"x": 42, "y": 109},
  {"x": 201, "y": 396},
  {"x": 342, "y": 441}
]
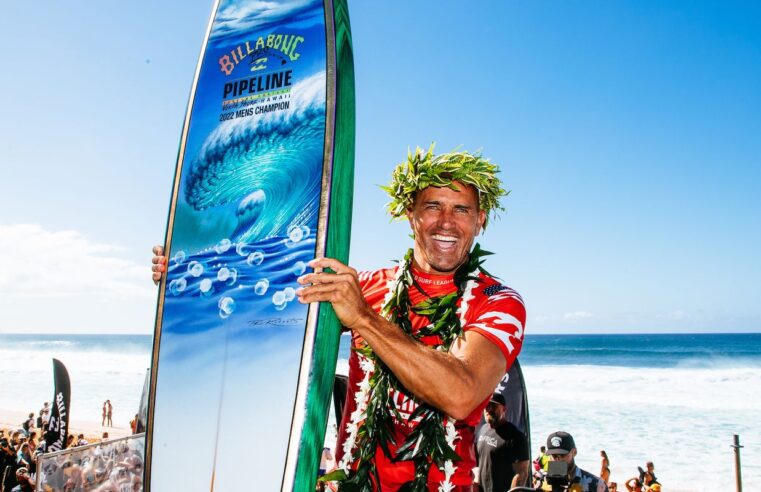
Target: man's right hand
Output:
[{"x": 159, "y": 263}]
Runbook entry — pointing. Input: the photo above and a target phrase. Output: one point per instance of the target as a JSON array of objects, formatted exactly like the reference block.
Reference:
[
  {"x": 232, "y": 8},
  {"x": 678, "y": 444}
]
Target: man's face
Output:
[
  {"x": 494, "y": 413},
  {"x": 22, "y": 477},
  {"x": 567, "y": 457},
  {"x": 445, "y": 223}
]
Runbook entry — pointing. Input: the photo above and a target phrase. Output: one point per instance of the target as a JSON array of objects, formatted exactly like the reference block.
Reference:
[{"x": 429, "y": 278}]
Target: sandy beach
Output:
[{"x": 10, "y": 420}]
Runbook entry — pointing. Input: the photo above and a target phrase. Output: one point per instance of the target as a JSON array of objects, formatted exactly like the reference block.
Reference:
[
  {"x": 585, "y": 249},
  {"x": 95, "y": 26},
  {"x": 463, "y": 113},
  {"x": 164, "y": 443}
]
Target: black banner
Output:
[
  {"x": 513, "y": 390},
  {"x": 142, "y": 411},
  {"x": 58, "y": 426}
]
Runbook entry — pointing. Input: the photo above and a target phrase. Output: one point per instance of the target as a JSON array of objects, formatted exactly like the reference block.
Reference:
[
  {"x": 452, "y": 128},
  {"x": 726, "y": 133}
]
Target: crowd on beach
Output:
[
  {"x": 644, "y": 481},
  {"x": 105, "y": 469}
]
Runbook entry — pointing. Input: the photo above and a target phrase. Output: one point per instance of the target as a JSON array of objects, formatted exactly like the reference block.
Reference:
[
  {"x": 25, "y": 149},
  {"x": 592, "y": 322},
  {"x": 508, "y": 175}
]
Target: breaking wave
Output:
[{"x": 269, "y": 167}]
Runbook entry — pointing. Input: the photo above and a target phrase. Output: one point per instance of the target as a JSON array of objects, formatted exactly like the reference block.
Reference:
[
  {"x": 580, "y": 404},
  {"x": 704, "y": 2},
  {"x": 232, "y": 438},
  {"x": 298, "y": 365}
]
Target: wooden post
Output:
[{"x": 738, "y": 473}]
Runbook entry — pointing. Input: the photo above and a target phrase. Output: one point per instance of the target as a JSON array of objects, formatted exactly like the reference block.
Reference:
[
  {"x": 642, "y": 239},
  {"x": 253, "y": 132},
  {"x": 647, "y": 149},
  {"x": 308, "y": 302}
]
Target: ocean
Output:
[{"x": 675, "y": 400}]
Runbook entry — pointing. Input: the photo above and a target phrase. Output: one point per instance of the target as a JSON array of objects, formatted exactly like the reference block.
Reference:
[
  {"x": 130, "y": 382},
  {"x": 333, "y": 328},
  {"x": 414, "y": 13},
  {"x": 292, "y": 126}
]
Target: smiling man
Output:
[{"x": 432, "y": 336}]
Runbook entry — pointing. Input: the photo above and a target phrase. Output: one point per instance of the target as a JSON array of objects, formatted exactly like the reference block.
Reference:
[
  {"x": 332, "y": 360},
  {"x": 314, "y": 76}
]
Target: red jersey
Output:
[{"x": 493, "y": 311}]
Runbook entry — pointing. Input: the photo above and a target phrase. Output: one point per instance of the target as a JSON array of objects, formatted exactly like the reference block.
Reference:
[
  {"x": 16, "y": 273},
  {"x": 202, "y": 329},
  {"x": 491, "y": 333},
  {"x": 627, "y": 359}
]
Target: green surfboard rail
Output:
[{"x": 338, "y": 239}]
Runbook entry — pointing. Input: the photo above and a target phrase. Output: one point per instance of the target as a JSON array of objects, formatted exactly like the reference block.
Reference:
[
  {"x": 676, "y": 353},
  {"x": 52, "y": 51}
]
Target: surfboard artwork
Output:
[{"x": 242, "y": 372}]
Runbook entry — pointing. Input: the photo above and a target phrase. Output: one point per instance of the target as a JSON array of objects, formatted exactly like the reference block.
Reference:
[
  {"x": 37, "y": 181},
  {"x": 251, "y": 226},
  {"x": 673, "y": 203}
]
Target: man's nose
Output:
[{"x": 446, "y": 218}]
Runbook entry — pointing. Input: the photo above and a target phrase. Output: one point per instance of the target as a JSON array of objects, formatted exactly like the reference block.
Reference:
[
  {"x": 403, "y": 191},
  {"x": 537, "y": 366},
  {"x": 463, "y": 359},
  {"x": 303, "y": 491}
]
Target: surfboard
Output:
[{"x": 242, "y": 372}]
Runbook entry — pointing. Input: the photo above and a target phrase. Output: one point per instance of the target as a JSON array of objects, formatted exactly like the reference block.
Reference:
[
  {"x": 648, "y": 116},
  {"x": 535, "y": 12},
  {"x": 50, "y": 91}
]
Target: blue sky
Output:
[{"x": 628, "y": 133}]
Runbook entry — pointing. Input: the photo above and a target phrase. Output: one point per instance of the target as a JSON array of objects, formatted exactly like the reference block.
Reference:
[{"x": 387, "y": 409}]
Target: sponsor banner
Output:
[{"x": 58, "y": 426}]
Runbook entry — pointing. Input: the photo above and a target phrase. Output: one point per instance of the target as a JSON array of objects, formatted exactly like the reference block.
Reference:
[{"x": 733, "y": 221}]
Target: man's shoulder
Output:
[
  {"x": 493, "y": 290},
  {"x": 490, "y": 298},
  {"x": 510, "y": 429},
  {"x": 590, "y": 481}
]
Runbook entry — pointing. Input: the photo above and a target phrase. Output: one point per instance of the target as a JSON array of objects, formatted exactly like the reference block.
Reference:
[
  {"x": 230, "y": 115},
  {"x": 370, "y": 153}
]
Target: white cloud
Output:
[
  {"x": 36, "y": 263},
  {"x": 576, "y": 315}
]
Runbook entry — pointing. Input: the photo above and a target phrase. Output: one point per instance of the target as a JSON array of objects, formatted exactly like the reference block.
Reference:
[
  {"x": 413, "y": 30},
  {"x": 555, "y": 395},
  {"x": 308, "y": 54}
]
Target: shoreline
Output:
[{"x": 10, "y": 420}]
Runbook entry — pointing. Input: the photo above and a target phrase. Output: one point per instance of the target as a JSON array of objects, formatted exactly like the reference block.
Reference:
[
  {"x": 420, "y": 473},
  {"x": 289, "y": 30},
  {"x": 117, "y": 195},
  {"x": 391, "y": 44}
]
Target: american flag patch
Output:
[{"x": 493, "y": 289}]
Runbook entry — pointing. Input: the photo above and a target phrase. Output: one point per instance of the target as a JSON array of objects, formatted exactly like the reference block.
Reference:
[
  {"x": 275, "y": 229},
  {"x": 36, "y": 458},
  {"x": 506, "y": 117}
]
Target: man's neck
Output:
[{"x": 419, "y": 263}]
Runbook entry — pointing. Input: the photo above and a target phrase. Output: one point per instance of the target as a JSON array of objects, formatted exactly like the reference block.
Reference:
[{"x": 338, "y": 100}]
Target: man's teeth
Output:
[{"x": 448, "y": 239}]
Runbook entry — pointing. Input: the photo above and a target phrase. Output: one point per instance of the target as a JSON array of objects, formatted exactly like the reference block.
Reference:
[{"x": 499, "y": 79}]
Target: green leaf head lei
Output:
[{"x": 423, "y": 169}]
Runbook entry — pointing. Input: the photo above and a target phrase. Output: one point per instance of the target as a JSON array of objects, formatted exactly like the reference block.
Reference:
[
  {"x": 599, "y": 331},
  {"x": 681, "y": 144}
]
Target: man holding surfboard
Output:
[{"x": 432, "y": 336}]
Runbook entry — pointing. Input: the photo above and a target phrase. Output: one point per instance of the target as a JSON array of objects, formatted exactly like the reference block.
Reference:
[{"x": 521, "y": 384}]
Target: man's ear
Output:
[{"x": 481, "y": 220}]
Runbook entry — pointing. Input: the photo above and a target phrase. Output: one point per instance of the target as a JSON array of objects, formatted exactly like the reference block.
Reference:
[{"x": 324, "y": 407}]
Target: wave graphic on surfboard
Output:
[
  {"x": 239, "y": 17},
  {"x": 279, "y": 184},
  {"x": 268, "y": 171}
]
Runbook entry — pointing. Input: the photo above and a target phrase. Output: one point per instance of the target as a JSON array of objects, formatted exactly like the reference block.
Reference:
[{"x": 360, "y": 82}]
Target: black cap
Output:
[
  {"x": 560, "y": 443},
  {"x": 498, "y": 398}
]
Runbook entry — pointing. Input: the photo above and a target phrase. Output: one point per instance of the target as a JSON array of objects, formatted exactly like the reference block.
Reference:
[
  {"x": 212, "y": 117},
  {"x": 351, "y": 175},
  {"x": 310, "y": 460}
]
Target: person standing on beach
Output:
[
  {"x": 647, "y": 476},
  {"x": 105, "y": 411},
  {"x": 109, "y": 411},
  {"x": 561, "y": 447},
  {"x": 44, "y": 415},
  {"x": 540, "y": 465},
  {"x": 604, "y": 466},
  {"x": 501, "y": 449},
  {"x": 432, "y": 336},
  {"x": 28, "y": 424}
]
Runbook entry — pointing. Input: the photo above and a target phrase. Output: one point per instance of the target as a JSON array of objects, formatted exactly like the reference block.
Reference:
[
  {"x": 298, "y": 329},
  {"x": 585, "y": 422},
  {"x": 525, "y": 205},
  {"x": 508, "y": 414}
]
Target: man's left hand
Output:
[{"x": 340, "y": 288}]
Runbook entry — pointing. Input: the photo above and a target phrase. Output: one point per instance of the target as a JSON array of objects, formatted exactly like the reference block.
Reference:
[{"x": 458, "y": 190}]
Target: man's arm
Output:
[
  {"x": 520, "y": 468},
  {"x": 455, "y": 382}
]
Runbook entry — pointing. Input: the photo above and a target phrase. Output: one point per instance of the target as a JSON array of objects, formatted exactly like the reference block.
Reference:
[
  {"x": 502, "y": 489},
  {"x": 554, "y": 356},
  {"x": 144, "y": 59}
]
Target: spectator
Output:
[
  {"x": 109, "y": 411},
  {"x": 44, "y": 415},
  {"x": 501, "y": 449},
  {"x": 647, "y": 477},
  {"x": 604, "y": 466},
  {"x": 561, "y": 447},
  {"x": 24, "y": 484},
  {"x": 540, "y": 465},
  {"x": 24, "y": 457},
  {"x": 327, "y": 461},
  {"x": 28, "y": 424},
  {"x": 633, "y": 485},
  {"x": 81, "y": 441},
  {"x": 8, "y": 465},
  {"x": 32, "y": 441}
]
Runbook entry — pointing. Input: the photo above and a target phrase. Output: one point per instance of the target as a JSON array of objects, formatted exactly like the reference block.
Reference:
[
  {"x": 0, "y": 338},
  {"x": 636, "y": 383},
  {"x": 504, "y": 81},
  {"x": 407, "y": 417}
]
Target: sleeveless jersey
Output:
[{"x": 494, "y": 311}]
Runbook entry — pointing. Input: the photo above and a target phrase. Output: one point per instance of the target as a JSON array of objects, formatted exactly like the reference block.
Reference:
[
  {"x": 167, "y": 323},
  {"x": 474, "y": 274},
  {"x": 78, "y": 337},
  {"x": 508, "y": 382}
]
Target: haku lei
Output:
[{"x": 371, "y": 424}]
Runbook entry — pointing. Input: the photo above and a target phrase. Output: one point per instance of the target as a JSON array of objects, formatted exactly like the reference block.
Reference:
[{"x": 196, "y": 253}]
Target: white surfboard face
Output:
[{"x": 244, "y": 223}]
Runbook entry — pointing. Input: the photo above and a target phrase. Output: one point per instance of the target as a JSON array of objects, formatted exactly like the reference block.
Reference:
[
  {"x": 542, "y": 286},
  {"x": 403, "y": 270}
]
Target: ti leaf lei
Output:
[{"x": 429, "y": 441}]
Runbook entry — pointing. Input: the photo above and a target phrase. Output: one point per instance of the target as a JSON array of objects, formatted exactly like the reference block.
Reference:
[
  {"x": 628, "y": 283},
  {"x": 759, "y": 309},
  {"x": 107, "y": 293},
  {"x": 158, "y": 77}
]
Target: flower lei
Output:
[{"x": 371, "y": 425}]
